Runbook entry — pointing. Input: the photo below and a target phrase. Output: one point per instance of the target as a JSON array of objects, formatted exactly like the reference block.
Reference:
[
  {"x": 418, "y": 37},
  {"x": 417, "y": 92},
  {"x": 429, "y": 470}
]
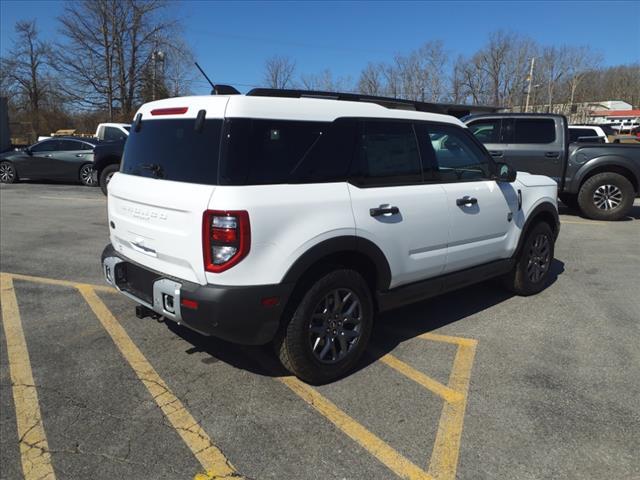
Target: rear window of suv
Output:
[{"x": 174, "y": 150}]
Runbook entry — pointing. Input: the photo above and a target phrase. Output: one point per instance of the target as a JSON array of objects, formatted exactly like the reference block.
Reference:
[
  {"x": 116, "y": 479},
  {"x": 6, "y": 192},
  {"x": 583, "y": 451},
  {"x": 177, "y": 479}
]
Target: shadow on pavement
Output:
[{"x": 391, "y": 329}]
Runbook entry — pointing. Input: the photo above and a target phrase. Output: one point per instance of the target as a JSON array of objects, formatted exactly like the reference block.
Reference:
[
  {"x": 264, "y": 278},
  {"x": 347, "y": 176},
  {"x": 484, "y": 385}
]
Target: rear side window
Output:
[
  {"x": 487, "y": 131},
  {"x": 387, "y": 154},
  {"x": 174, "y": 150},
  {"x": 112, "y": 133},
  {"x": 257, "y": 152},
  {"x": 534, "y": 130}
]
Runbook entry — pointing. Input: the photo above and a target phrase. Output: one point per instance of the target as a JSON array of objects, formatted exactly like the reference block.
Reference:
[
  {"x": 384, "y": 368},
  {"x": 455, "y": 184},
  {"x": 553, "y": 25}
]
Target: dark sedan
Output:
[{"x": 59, "y": 158}]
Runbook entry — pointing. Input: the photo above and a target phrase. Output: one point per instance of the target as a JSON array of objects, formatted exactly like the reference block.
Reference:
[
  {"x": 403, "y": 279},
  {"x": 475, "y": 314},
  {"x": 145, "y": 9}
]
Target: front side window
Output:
[
  {"x": 387, "y": 154},
  {"x": 534, "y": 130},
  {"x": 457, "y": 157},
  {"x": 487, "y": 131},
  {"x": 46, "y": 146}
]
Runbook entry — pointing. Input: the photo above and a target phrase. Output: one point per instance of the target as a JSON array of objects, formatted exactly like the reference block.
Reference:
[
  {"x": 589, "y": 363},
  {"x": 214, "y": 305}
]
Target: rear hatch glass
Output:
[{"x": 174, "y": 150}]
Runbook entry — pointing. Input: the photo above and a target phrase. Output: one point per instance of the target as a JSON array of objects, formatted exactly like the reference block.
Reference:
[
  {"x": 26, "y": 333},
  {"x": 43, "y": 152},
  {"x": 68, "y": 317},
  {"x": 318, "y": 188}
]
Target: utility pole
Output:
[{"x": 526, "y": 106}]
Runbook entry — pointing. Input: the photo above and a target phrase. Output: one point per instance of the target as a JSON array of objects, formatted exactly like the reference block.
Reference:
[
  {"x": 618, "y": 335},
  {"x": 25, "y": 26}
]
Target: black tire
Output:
[
  {"x": 87, "y": 175},
  {"x": 606, "y": 196},
  {"x": 522, "y": 280},
  {"x": 570, "y": 200},
  {"x": 106, "y": 174},
  {"x": 8, "y": 173},
  {"x": 303, "y": 339}
]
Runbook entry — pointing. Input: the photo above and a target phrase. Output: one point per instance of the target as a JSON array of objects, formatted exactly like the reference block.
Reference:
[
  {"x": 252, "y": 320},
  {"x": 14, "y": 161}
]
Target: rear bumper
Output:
[{"x": 233, "y": 313}]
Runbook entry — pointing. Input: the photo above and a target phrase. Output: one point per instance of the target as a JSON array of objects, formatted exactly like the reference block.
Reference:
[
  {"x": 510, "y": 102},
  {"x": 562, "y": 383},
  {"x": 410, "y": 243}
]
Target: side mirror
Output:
[{"x": 504, "y": 173}]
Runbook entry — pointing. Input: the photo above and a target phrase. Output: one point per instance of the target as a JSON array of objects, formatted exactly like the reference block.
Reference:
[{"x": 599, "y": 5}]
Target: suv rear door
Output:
[
  {"x": 393, "y": 206},
  {"x": 535, "y": 145}
]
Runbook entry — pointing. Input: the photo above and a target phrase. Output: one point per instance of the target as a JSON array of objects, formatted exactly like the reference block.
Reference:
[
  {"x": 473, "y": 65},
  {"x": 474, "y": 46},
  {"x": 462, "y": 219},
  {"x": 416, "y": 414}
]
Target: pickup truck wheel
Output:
[
  {"x": 531, "y": 272},
  {"x": 329, "y": 329},
  {"x": 8, "y": 173},
  {"x": 105, "y": 176},
  {"x": 606, "y": 196}
]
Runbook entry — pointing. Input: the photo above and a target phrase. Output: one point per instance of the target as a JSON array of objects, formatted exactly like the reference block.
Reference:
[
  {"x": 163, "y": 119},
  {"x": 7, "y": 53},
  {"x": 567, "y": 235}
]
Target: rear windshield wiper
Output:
[{"x": 154, "y": 168}]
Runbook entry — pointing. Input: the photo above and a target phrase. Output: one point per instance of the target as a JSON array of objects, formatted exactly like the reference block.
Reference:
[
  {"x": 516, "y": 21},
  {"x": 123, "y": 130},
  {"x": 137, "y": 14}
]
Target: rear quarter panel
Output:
[
  {"x": 286, "y": 221},
  {"x": 584, "y": 159}
]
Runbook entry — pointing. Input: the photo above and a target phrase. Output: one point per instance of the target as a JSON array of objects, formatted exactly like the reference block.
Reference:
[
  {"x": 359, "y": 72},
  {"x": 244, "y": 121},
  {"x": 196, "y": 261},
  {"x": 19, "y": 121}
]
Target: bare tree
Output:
[
  {"x": 109, "y": 49},
  {"x": 370, "y": 81},
  {"x": 554, "y": 67},
  {"x": 279, "y": 72},
  {"x": 24, "y": 71},
  {"x": 580, "y": 61},
  {"x": 325, "y": 81}
]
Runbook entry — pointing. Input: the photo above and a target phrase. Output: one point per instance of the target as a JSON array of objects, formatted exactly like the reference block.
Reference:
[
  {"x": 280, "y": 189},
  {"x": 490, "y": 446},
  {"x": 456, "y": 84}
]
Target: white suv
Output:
[{"x": 275, "y": 217}]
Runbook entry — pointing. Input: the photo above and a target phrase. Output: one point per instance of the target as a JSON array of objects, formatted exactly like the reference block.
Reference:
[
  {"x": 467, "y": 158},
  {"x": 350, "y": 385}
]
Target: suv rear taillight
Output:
[{"x": 226, "y": 238}]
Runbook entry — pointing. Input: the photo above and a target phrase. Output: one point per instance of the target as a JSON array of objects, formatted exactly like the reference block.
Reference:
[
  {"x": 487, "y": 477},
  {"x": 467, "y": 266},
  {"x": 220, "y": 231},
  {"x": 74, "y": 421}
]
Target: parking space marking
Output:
[
  {"x": 61, "y": 283},
  {"x": 34, "y": 449},
  {"x": 377, "y": 447},
  {"x": 446, "y": 393},
  {"x": 444, "y": 456},
  {"x": 212, "y": 459}
]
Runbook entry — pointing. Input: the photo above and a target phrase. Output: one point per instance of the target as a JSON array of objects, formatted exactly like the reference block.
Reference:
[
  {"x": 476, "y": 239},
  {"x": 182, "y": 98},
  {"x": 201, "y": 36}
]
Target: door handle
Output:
[
  {"x": 495, "y": 153},
  {"x": 466, "y": 200},
  {"x": 79, "y": 154},
  {"x": 552, "y": 154},
  {"x": 47, "y": 155},
  {"x": 376, "y": 212}
]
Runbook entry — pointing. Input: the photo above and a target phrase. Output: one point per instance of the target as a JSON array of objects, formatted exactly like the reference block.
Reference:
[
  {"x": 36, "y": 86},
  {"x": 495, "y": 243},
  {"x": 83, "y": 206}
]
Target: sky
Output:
[{"x": 232, "y": 40}]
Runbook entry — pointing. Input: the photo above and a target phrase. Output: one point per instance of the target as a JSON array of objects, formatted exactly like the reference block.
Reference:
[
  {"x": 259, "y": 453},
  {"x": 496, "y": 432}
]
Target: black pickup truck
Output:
[
  {"x": 602, "y": 180},
  {"x": 106, "y": 161}
]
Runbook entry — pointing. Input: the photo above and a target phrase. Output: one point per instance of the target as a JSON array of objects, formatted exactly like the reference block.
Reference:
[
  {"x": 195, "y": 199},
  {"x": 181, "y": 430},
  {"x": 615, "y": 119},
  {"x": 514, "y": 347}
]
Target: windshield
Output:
[{"x": 174, "y": 150}]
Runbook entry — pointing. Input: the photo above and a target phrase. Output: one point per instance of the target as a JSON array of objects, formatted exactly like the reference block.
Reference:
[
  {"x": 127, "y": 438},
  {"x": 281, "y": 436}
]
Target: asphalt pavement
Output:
[{"x": 476, "y": 384}]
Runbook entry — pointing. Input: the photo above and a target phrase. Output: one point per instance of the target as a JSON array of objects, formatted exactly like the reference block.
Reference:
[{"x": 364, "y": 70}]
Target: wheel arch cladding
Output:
[
  {"x": 353, "y": 252},
  {"x": 623, "y": 170},
  {"x": 545, "y": 212}
]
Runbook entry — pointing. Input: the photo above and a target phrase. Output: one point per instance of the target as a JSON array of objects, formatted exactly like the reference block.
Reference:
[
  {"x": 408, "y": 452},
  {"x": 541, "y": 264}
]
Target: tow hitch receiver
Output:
[{"x": 143, "y": 312}]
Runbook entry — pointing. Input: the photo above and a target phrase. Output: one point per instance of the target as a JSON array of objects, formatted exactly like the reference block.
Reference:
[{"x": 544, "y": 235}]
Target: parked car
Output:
[
  {"x": 106, "y": 162},
  {"x": 258, "y": 218},
  {"x": 59, "y": 158},
  {"x": 586, "y": 134},
  {"x": 601, "y": 180}
]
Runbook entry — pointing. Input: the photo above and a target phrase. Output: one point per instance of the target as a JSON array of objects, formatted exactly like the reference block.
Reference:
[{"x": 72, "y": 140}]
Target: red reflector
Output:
[
  {"x": 225, "y": 235},
  {"x": 169, "y": 111},
  {"x": 270, "y": 301},
  {"x": 192, "y": 304}
]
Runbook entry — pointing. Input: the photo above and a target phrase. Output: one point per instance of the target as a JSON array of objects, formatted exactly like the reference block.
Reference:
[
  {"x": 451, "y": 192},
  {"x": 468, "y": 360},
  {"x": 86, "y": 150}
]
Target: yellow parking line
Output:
[
  {"x": 34, "y": 449},
  {"x": 61, "y": 283},
  {"x": 398, "y": 464},
  {"x": 446, "y": 393},
  {"x": 212, "y": 459},
  {"x": 444, "y": 457}
]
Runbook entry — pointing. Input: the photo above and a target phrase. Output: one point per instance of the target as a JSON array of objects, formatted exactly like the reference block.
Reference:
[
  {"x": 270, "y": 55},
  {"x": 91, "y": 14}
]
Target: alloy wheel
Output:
[
  {"x": 87, "y": 175},
  {"x": 7, "y": 174},
  {"x": 607, "y": 197},
  {"x": 539, "y": 258},
  {"x": 335, "y": 325}
]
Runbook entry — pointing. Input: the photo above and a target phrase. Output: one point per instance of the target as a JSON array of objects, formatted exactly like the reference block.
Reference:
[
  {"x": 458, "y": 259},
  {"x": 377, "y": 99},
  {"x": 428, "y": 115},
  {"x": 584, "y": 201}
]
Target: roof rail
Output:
[{"x": 388, "y": 102}]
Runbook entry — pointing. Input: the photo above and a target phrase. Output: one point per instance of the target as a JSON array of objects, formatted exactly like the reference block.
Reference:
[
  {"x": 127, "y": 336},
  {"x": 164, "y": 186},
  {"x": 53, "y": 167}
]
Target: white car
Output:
[
  {"x": 266, "y": 218},
  {"x": 587, "y": 133}
]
